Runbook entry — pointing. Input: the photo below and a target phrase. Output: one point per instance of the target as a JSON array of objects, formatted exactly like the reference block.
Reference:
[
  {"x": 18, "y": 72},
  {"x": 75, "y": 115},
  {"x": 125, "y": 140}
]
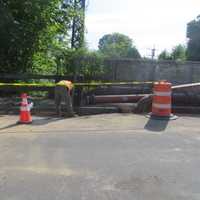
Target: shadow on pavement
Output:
[
  {"x": 45, "y": 120},
  {"x": 9, "y": 126},
  {"x": 39, "y": 121},
  {"x": 156, "y": 125}
]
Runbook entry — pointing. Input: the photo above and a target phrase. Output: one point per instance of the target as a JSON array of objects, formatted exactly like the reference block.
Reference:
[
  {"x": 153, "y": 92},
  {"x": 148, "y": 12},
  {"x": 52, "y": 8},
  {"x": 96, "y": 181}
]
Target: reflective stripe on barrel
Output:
[{"x": 161, "y": 105}]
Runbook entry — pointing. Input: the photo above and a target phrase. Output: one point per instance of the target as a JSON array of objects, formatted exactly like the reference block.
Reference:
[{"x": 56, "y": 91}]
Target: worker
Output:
[{"x": 63, "y": 91}]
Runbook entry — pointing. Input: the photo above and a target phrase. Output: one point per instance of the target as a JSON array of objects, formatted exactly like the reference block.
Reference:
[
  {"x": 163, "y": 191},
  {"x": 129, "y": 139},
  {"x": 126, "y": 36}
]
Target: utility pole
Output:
[{"x": 153, "y": 53}]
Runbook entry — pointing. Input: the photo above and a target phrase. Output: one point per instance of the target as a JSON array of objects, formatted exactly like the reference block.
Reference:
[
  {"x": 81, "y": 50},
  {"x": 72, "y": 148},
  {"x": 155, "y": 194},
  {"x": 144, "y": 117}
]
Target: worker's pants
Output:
[{"x": 62, "y": 94}]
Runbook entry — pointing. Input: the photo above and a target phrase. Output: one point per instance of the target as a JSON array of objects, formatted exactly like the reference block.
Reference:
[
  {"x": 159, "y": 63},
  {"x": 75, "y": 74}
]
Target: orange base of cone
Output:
[{"x": 25, "y": 118}]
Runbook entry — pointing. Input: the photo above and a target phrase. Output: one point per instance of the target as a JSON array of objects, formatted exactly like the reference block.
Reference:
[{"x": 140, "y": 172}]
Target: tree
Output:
[
  {"x": 118, "y": 45},
  {"x": 28, "y": 29},
  {"x": 193, "y": 34},
  {"x": 165, "y": 55},
  {"x": 179, "y": 53}
]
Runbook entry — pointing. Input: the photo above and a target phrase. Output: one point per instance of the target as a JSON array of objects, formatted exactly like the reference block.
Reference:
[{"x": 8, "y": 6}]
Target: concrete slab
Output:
[{"x": 102, "y": 157}]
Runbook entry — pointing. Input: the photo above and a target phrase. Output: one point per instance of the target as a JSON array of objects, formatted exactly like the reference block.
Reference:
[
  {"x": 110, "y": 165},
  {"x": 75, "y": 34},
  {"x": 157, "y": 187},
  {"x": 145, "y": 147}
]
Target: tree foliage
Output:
[
  {"x": 193, "y": 34},
  {"x": 84, "y": 62},
  {"x": 178, "y": 53},
  {"x": 118, "y": 45},
  {"x": 164, "y": 55},
  {"x": 28, "y": 30}
]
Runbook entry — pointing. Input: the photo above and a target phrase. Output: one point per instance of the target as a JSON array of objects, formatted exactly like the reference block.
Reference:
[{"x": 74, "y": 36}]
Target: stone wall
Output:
[{"x": 148, "y": 70}]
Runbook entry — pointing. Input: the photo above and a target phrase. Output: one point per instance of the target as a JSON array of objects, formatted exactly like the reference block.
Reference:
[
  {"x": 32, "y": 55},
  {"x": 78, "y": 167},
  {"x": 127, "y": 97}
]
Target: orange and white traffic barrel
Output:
[{"x": 162, "y": 100}]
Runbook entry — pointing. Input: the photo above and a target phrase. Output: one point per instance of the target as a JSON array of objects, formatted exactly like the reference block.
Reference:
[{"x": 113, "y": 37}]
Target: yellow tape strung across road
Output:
[
  {"x": 75, "y": 84},
  {"x": 28, "y": 84}
]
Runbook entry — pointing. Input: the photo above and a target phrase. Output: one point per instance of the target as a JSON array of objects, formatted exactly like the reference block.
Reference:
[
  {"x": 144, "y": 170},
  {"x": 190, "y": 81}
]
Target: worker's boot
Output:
[{"x": 58, "y": 112}]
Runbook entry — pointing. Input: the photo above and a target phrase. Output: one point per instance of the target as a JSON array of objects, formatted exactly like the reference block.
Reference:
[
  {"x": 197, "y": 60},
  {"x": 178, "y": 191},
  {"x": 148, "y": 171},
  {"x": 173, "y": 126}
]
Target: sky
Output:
[{"x": 149, "y": 23}]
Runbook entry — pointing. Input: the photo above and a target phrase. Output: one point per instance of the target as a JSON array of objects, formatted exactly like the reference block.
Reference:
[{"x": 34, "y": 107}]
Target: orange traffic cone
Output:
[{"x": 25, "y": 114}]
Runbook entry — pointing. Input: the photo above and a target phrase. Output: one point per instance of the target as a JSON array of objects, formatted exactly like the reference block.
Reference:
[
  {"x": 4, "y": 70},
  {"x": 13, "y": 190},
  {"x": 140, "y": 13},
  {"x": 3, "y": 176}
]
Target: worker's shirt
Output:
[{"x": 67, "y": 84}]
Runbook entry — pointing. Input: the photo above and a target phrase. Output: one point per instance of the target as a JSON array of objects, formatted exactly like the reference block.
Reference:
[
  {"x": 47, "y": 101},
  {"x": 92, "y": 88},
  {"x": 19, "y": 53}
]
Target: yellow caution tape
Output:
[
  {"x": 27, "y": 84},
  {"x": 75, "y": 84}
]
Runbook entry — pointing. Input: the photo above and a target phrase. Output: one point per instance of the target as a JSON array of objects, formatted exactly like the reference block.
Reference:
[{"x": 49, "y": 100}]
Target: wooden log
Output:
[
  {"x": 93, "y": 110},
  {"x": 117, "y": 98},
  {"x": 186, "y": 109},
  {"x": 194, "y": 87},
  {"x": 123, "y": 90}
]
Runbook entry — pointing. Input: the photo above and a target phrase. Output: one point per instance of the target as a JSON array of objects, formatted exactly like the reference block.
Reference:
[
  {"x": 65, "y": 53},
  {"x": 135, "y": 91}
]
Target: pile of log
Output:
[{"x": 185, "y": 98}]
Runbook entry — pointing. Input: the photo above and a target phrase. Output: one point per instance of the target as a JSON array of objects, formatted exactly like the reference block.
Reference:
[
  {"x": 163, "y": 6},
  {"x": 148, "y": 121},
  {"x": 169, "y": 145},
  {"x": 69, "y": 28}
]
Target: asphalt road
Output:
[{"x": 105, "y": 157}]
